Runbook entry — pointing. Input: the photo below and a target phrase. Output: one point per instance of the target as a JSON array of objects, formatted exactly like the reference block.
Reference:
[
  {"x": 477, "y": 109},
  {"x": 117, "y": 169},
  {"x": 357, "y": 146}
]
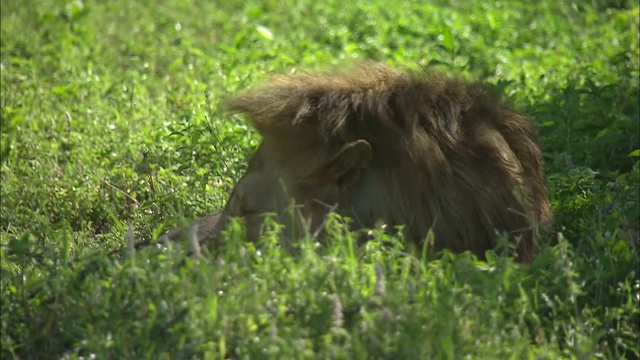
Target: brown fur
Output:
[
  {"x": 208, "y": 229},
  {"x": 415, "y": 149}
]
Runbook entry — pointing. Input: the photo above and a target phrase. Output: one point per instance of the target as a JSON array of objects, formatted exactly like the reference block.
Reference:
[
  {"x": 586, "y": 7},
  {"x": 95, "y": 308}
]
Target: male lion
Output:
[{"x": 419, "y": 149}]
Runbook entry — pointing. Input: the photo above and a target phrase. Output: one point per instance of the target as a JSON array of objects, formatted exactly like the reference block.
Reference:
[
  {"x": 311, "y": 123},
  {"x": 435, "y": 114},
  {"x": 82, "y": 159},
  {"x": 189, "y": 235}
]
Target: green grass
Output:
[{"x": 112, "y": 114}]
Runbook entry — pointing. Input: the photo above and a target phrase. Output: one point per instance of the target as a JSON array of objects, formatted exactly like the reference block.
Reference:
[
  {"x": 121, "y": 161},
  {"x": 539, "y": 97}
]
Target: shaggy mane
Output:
[
  {"x": 399, "y": 114},
  {"x": 370, "y": 99}
]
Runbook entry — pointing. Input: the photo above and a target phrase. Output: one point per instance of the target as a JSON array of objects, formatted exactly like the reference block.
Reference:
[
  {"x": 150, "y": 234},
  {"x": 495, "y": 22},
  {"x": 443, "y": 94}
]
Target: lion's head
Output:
[{"x": 420, "y": 150}]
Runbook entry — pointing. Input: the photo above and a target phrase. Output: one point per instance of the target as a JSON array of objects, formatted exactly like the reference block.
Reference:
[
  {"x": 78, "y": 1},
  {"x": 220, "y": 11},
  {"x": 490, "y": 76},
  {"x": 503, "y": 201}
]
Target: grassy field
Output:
[{"x": 112, "y": 113}]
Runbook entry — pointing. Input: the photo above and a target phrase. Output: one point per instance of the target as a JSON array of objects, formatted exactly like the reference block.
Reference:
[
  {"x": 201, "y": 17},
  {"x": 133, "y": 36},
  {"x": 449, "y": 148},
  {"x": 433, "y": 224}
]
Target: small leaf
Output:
[
  {"x": 228, "y": 49},
  {"x": 491, "y": 257},
  {"x": 447, "y": 38},
  {"x": 196, "y": 52},
  {"x": 621, "y": 247},
  {"x": 635, "y": 153},
  {"x": 176, "y": 64},
  {"x": 602, "y": 133},
  {"x": 265, "y": 32},
  {"x": 59, "y": 90}
]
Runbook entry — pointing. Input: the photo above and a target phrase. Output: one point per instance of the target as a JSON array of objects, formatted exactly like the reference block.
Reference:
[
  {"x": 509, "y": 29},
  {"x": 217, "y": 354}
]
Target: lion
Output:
[{"x": 418, "y": 150}]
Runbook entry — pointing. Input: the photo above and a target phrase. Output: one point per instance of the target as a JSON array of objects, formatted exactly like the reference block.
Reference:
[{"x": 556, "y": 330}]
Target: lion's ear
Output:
[{"x": 347, "y": 165}]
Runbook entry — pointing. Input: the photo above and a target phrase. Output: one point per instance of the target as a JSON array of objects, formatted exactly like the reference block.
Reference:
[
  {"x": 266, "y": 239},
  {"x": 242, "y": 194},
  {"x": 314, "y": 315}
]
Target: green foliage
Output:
[{"x": 113, "y": 113}]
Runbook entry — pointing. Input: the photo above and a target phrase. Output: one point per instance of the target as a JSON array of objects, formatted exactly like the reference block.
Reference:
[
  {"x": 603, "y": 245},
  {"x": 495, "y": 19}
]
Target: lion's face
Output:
[
  {"x": 262, "y": 189},
  {"x": 274, "y": 185}
]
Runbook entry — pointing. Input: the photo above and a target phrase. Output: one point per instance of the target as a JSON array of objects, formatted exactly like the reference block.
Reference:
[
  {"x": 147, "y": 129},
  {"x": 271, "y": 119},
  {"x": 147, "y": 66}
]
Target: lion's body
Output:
[{"x": 420, "y": 150}]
